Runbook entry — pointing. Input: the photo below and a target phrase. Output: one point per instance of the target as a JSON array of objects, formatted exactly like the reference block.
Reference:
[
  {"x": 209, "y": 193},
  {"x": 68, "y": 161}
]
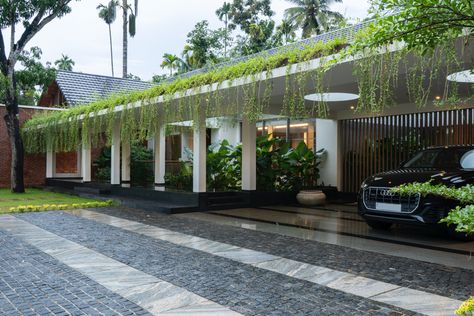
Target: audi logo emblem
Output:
[{"x": 386, "y": 193}]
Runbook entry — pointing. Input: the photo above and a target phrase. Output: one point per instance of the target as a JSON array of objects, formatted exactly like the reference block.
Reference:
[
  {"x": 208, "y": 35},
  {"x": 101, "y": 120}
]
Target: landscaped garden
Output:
[{"x": 35, "y": 200}]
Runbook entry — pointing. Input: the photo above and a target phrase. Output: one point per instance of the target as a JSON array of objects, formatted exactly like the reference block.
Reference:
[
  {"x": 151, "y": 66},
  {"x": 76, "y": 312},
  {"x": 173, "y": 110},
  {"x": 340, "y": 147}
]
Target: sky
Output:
[{"x": 162, "y": 26}]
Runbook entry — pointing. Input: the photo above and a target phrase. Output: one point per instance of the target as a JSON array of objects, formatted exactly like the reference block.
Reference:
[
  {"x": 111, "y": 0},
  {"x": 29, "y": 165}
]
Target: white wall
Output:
[
  {"x": 226, "y": 129},
  {"x": 327, "y": 137}
]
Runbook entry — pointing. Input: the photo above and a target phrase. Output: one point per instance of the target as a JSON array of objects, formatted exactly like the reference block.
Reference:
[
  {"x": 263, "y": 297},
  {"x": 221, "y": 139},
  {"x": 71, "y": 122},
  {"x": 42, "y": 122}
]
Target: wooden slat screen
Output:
[{"x": 376, "y": 144}]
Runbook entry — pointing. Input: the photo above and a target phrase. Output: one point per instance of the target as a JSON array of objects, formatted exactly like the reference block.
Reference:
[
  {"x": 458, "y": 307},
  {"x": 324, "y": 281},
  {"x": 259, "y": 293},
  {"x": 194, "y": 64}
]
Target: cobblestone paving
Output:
[
  {"x": 451, "y": 282},
  {"x": 33, "y": 283},
  {"x": 243, "y": 288}
]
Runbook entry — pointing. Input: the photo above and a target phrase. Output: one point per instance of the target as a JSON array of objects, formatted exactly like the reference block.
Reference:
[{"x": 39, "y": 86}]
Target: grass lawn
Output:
[{"x": 36, "y": 197}]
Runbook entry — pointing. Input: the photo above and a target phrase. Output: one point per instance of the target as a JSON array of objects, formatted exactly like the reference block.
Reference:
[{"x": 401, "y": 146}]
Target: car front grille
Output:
[{"x": 374, "y": 195}]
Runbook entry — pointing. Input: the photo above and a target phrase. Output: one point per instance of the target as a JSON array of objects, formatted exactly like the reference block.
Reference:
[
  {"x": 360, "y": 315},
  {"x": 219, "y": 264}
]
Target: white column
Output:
[
  {"x": 327, "y": 138},
  {"x": 86, "y": 161},
  {"x": 115, "y": 155},
  {"x": 199, "y": 154},
  {"x": 50, "y": 164},
  {"x": 125, "y": 164},
  {"x": 249, "y": 155},
  {"x": 160, "y": 156}
]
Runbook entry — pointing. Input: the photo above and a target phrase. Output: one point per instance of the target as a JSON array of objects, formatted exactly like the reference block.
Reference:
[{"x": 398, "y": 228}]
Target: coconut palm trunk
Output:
[
  {"x": 125, "y": 39},
  {"x": 111, "y": 51}
]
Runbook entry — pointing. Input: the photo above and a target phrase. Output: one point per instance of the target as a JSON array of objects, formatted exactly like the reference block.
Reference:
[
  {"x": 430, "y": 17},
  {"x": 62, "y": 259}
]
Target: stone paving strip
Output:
[
  {"x": 241, "y": 287},
  {"x": 34, "y": 283},
  {"x": 422, "y": 273},
  {"x": 409, "y": 299},
  {"x": 152, "y": 294}
]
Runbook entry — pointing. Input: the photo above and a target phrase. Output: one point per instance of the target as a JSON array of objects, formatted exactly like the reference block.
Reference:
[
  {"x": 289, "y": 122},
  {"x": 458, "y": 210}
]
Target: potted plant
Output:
[{"x": 303, "y": 174}]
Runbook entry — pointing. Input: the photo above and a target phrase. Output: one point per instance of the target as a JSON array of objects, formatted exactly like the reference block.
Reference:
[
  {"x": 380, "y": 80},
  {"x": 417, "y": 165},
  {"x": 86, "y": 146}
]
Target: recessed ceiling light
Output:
[
  {"x": 331, "y": 97},
  {"x": 466, "y": 76}
]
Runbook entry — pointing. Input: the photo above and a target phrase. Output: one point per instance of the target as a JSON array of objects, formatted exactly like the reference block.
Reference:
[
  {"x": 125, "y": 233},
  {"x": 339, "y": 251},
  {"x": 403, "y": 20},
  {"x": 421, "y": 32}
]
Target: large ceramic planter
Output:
[{"x": 311, "y": 197}]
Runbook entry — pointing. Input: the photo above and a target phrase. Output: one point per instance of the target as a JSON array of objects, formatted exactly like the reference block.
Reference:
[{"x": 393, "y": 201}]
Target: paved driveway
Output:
[{"x": 130, "y": 262}]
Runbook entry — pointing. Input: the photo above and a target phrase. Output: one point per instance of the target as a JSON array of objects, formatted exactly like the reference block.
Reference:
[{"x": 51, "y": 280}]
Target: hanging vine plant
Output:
[
  {"x": 142, "y": 113},
  {"x": 140, "y": 117}
]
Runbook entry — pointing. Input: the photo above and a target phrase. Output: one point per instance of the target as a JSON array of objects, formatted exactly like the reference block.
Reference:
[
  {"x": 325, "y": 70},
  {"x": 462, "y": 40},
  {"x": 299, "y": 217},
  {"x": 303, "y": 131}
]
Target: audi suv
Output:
[{"x": 380, "y": 207}]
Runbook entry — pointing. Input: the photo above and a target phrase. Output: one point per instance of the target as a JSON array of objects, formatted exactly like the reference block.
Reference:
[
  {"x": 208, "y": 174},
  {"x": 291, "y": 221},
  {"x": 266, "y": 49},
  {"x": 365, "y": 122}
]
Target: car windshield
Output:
[{"x": 442, "y": 158}]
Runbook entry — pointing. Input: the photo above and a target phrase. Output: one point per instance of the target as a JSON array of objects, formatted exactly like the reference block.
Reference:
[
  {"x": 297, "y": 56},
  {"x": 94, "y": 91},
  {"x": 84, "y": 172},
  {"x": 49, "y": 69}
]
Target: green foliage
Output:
[
  {"x": 463, "y": 194},
  {"x": 64, "y": 63},
  {"x": 282, "y": 168},
  {"x": 466, "y": 308},
  {"x": 34, "y": 77},
  {"x": 462, "y": 216},
  {"x": 203, "y": 46},
  {"x": 35, "y": 199},
  {"x": 65, "y": 130},
  {"x": 253, "y": 17},
  {"x": 420, "y": 24},
  {"x": 223, "y": 164},
  {"x": 25, "y": 10},
  {"x": 279, "y": 167},
  {"x": 141, "y": 165},
  {"x": 181, "y": 180},
  {"x": 377, "y": 70},
  {"x": 313, "y": 16}
]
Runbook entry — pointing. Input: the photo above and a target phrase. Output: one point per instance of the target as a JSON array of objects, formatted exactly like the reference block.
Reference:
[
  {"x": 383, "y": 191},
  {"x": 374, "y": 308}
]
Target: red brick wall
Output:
[
  {"x": 35, "y": 165},
  {"x": 66, "y": 162}
]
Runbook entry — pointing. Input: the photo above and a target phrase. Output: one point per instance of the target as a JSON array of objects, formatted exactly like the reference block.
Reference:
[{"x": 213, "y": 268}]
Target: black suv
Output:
[{"x": 380, "y": 207}]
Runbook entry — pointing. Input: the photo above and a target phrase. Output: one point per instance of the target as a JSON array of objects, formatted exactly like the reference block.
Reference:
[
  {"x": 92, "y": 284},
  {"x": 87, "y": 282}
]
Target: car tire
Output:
[{"x": 378, "y": 225}]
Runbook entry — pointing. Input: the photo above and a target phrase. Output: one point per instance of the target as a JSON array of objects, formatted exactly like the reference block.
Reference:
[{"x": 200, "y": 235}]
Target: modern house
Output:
[{"x": 358, "y": 143}]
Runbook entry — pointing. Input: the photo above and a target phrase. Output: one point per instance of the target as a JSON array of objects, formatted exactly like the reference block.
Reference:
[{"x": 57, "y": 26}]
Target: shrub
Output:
[
  {"x": 59, "y": 207},
  {"x": 462, "y": 216},
  {"x": 466, "y": 308}
]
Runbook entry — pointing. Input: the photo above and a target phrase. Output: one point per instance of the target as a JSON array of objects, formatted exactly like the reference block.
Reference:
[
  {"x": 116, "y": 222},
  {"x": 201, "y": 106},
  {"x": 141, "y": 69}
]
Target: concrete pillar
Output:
[
  {"x": 327, "y": 138},
  {"x": 160, "y": 156},
  {"x": 199, "y": 154},
  {"x": 86, "y": 161},
  {"x": 125, "y": 164},
  {"x": 115, "y": 155},
  {"x": 50, "y": 164},
  {"x": 249, "y": 155}
]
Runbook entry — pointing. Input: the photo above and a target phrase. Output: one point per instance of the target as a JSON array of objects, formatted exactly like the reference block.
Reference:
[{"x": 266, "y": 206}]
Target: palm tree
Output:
[
  {"x": 286, "y": 31},
  {"x": 171, "y": 62},
  {"x": 223, "y": 15},
  {"x": 128, "y": 28},
  {"x": 108, "y": 13},
  {"x": 312, "y": 16},
  {"x": 64, "y": 63}
]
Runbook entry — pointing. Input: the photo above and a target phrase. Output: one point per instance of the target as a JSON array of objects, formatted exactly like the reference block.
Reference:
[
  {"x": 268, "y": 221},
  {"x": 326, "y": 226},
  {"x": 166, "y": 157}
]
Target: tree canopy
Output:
[
  {"x": 421, "y": 24},
  {"x": 313, "y": 16}
]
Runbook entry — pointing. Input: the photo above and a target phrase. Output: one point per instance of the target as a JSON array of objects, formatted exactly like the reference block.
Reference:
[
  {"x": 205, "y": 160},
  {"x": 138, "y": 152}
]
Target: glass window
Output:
[
  {"x": 299, "y": 131},
  {"x": 423, "y": 159}
]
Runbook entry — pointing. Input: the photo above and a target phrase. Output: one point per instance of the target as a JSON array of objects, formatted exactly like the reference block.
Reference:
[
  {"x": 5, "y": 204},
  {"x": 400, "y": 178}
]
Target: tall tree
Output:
[
  {"x": 312, "y": 16},
  {"x": 203, "y": 45},
  {"x": 253, "y": 17},
  {"x": 285, "y": 33},
  {"x": 129, "y": 15},
  {"x": 108, "y": 13},
  {"x": 33, "y": 16},
  {"x": 33, "y": 78},
  {"x": 64, "y": 63},
  {"x": 223, "y": 15},
  {"x": 171, "y": 62}
]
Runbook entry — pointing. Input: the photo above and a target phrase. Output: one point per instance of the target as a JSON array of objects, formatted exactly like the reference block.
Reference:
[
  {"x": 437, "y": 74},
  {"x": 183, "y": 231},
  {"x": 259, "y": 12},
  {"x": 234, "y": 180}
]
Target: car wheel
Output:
[
  {"x": 453, "y": 234},
  {"x": 379, "y": 225}
]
